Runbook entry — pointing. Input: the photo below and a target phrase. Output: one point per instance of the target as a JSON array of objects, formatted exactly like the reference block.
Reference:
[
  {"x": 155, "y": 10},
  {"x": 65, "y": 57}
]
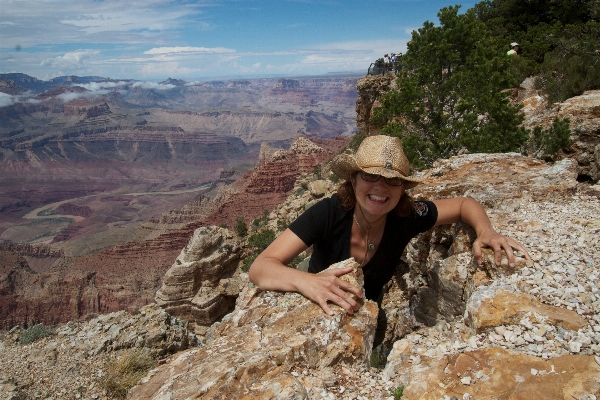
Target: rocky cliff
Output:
[{"x": 454, "y": 328}]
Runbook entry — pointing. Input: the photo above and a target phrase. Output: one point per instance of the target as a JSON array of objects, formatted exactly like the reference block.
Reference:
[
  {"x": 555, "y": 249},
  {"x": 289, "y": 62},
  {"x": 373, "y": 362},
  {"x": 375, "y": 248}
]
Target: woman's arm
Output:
[
  {"x": 471, "y": 212},
  {"x": 269, "y": 272}
]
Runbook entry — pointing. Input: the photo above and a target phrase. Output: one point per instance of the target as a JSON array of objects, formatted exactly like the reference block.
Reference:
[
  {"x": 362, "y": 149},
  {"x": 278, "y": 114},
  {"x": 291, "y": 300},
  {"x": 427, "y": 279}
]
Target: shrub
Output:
[
  {"x": 397, "y": 392},
  {"x": 125, "y": 371},
  {"x": 451, "y": 94},
  {"x": 573, "y": 66},
  {"x": 261, "y": 240},
  {"x": 34, "y": 333},
  {"x": 240, "y": 227},
  {"x": 317, "y": 172},
  {"x": 546, "y": 144},
  {"x": 296, "y": 261},
  {"x": 281, "y": 225},
  {"x": 356, "y": 141}
]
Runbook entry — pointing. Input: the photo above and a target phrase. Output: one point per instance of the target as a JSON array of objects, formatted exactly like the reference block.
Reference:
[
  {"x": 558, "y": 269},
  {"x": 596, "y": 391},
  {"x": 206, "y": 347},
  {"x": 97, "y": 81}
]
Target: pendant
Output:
[{"x": 371, "y": 246}]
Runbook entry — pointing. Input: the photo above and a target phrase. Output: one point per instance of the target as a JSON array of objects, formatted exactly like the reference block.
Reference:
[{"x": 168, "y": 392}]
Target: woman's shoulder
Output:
[
  {"x": 330, "y": 205},
  {"x": 423, "y": 208}
]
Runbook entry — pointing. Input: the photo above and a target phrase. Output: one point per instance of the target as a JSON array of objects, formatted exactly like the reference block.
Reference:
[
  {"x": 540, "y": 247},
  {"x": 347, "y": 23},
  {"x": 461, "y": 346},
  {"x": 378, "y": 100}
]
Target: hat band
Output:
[{"x": 383, "y": 167}]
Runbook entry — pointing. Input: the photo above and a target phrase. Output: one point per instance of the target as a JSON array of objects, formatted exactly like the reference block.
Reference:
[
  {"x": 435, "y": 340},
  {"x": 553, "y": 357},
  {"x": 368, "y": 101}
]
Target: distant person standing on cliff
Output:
[
  {"x": 515, "y": 49},
  {"x": 372, "y": 219}
]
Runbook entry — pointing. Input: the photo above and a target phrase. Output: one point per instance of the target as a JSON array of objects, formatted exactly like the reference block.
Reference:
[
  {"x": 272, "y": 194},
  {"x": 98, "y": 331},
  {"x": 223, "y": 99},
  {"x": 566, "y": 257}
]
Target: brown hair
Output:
[{"x": 347, "y": 199}]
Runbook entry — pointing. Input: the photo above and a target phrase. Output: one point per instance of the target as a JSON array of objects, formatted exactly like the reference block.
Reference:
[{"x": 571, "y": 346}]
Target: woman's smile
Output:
[{"x": 379, "y": 199}]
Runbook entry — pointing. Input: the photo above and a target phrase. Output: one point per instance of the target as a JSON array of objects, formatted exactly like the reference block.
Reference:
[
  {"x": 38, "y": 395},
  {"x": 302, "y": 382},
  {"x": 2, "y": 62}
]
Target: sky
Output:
[{"x": 153, "y": 40}]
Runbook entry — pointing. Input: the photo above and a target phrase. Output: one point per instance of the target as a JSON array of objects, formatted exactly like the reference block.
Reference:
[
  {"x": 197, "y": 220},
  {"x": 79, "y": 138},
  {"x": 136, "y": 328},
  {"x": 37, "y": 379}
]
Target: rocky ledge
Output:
[{"x": 455, "y": 330}]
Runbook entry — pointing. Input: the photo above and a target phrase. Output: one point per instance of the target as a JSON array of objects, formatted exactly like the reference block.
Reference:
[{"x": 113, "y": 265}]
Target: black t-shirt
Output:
[{"x": 327, "y": 226}]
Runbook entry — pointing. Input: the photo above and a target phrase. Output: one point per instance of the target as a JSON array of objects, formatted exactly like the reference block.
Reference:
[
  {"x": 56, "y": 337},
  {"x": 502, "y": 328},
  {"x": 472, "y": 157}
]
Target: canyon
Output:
[{"x": 104, "y": 181}]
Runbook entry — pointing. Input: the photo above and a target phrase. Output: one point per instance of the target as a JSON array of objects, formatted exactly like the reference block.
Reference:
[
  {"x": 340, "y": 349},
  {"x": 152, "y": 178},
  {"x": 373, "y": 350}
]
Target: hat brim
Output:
[{"x": 344, "y": 165}]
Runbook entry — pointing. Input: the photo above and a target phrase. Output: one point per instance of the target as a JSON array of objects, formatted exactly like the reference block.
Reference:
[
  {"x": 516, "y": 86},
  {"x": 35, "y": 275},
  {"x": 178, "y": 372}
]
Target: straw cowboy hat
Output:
[{"x": 380, "y": 155}]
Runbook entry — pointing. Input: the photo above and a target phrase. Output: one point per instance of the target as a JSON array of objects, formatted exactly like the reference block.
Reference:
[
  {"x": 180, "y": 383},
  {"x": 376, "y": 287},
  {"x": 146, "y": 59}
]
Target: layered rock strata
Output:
[
  {"x": 127, "y": 276},
  {"x": 203, "y": 282},
  {"x": 267, "y": 186}
]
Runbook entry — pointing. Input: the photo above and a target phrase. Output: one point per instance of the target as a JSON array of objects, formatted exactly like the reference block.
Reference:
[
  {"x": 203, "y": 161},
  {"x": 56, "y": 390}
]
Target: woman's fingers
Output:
[
  {"x": 498, "y": 243},
  {"x": 328, "y": 287}
]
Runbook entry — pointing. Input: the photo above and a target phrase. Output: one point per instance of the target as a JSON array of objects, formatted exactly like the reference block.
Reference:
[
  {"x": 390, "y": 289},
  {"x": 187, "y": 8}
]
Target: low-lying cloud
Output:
[{"x": 92, "y": 89}]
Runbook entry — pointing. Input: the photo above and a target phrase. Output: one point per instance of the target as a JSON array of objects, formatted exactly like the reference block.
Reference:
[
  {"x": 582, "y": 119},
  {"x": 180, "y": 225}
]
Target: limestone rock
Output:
[
  {"x": 370, "y": 89},
  {"x": 490, "y": 307},
  {"x": 255, "y": 348},
  {"x": 192, "y": 288},
  {"x": 492, "y": 373},
  {"x": 582, "y": 112}
]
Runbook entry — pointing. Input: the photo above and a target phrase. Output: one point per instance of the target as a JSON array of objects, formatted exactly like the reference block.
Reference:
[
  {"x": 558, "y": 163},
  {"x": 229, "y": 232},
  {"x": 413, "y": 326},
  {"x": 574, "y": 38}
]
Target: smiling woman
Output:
[{"x": 371, "y": 219}]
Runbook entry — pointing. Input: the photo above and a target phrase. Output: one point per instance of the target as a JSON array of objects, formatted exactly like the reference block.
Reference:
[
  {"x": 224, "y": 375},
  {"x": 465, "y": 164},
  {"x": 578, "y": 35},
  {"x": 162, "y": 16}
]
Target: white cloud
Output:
[
  {"x": 6, "y": 100},
  {"x": 121, "y": 21},
  {"x": 35, "y": 22},
  {"x": 153, "y": 85},
  {"x": 71, "y": 59},
  {"x": 97, "y": 86}
]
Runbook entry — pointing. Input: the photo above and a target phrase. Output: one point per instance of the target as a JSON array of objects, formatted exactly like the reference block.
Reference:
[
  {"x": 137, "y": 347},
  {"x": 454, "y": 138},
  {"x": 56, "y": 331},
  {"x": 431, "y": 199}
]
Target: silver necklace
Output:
[{"x": 369, "y": 245}]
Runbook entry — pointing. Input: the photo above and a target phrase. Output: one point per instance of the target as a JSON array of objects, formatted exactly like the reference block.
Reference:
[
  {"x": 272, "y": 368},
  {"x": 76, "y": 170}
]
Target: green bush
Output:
[
  {"x": 356, "y": 141},
  {"x": 546, "y": 144},
  {"x": 281, "y": 225},
  {"x": 317, "y": 172},
  {"x": 34, "y": 333},
  {"x": 240, "y": 227},
  {"x": 573, "y": 66},
  {"x": 296, "y": 261},
  {"x": 451, "y": 94},
  {"x": 397, "y": 392},
  {"x": 558, "y": 40}
]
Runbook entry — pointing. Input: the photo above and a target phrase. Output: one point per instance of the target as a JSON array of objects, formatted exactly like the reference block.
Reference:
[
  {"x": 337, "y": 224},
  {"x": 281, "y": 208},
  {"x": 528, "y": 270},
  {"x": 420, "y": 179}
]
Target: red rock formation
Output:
[{"x": 267, "y": 186}]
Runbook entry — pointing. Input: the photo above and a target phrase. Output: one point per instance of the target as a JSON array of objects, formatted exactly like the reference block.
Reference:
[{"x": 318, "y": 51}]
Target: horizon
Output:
[{"x": 205, "y": 40}]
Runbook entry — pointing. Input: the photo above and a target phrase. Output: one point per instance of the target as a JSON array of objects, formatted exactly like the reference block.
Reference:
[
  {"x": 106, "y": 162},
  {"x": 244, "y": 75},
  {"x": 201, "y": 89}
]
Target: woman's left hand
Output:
[
  {"x": 491, "y": 238},
  {"x": 470, "y": 211}
]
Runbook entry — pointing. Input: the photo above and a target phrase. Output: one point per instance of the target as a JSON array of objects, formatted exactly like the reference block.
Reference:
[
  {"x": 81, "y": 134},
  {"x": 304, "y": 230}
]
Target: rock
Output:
[
  {"x": 491, "y": 307},
  {"x": 194, "y": 288},
  {"x": 491, "y": 373},
  {"x": 256, "y": 347},
  {"x": 72, "y": 361}
]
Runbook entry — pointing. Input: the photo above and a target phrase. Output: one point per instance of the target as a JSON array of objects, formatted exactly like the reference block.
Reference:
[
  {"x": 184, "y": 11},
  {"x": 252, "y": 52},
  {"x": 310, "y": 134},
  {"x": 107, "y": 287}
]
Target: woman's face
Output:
[{"x": 376, "y": 198}]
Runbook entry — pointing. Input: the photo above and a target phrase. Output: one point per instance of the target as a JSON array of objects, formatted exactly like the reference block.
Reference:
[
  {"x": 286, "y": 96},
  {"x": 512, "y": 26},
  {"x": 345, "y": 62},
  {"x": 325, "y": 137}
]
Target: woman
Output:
[{"x": 371, "y": 219}]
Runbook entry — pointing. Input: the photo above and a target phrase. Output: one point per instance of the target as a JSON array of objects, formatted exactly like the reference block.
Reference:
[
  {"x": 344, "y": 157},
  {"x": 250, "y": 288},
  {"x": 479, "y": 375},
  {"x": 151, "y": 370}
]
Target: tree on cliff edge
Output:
[{"x": 451, "y": 93}]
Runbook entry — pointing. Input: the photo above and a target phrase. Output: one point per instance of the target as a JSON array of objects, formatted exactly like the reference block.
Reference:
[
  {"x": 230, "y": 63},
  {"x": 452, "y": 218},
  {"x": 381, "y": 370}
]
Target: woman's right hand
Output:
[
  {"x": 327, "y": 286},
  {"x": 269, "y": 272}
]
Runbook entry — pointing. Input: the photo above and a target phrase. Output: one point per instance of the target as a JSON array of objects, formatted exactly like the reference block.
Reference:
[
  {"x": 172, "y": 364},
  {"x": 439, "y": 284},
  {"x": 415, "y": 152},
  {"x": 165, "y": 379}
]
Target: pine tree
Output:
[{"x": 451, "y": 93}]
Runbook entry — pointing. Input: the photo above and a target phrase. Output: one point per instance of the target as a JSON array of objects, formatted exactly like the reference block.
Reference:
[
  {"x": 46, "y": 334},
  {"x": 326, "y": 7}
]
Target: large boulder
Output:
[{"x": 254, "y": 350}]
